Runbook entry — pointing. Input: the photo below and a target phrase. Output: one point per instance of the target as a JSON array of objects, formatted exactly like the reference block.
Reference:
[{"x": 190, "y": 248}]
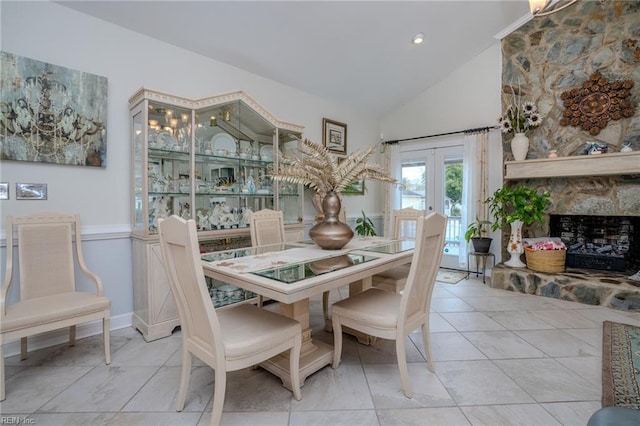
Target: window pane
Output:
[
  {"x": 413, "y": 185},
  {"x": 452, "y": 204}
]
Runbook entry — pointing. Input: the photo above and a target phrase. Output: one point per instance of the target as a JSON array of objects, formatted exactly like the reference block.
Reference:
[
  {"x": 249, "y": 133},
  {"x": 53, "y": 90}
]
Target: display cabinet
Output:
[{"x": 210, "y": 160}]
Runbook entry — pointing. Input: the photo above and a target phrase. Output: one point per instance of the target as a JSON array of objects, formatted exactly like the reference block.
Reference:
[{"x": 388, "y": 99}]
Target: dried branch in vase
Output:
[{"x": 319, "y": 169}]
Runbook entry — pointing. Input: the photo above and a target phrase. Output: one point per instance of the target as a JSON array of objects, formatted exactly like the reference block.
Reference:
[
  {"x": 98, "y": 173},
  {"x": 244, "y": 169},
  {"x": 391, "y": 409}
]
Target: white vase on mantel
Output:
[{"x": 519, "y": 146}]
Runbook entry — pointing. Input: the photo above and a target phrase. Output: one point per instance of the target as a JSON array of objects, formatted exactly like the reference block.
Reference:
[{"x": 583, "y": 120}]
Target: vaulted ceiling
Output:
[{"x": 357, "y": 52}]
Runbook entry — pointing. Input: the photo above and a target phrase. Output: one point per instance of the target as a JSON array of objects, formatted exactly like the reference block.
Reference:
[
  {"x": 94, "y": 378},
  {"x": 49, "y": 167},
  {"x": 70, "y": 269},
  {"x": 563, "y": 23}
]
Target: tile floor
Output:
[{"x": 502, "y": 358}]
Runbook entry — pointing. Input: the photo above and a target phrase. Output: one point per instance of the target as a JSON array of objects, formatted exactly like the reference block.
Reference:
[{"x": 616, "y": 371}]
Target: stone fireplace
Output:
[
  {"x": 542, "y": 59},
  {"x": 605, "y": 243},
  {"x": 596, "y": 217}
]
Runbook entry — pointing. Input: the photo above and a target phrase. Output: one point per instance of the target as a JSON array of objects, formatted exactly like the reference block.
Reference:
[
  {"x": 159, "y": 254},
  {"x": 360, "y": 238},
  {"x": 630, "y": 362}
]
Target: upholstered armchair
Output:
[{"x": 47, "y": 245}]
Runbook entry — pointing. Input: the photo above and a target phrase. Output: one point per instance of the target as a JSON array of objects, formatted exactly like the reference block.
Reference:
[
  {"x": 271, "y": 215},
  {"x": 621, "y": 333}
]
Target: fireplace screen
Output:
[{"x": 609, "y": 243}]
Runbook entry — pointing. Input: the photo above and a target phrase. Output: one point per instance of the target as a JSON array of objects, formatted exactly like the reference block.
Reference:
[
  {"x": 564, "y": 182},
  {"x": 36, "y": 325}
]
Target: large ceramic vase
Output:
[
  {"x": 519, "y": 146},
  {"x": 331, "y": 234},
  {"x": 515, "y": 247}
]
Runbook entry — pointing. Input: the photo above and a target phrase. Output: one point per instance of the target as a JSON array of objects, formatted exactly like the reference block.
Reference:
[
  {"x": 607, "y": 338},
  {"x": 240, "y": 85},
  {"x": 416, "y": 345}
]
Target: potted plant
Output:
[
  {"x": 364, "y": 226},
  {"x": 517, "y": 206},
  {"x": 477, "y": 233}
]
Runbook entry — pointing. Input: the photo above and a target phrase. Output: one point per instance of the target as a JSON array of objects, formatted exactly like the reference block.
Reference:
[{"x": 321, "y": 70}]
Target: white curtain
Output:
[
  {"x": 392, "y": 193},
  {"x": 476, "y": 183}
]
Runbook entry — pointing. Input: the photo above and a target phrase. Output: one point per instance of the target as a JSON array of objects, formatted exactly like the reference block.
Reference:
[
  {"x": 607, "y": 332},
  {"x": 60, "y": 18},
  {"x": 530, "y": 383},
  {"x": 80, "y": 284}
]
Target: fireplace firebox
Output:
[{"x": 607, "y": 243}]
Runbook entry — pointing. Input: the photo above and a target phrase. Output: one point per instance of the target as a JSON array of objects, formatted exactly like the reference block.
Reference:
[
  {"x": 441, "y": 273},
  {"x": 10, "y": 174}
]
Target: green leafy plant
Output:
[
  {"x": 477, "y": 229},
  {"x": 364, "y": 226},
  {"x": 509, "y": 204}
]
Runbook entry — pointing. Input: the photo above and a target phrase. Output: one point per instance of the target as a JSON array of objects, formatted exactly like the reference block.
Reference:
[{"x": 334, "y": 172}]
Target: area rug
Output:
[
  {"x": 620, "y": 365},
  {"x": 450, "y": 276}
]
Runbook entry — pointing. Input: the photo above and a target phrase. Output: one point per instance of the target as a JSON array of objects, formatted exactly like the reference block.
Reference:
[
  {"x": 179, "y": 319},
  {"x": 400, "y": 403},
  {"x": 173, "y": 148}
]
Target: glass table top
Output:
[
  {"x": 393, "y": 247},
  {"x": 293, "y": 273},
  {"x": 243, "y": 252}
]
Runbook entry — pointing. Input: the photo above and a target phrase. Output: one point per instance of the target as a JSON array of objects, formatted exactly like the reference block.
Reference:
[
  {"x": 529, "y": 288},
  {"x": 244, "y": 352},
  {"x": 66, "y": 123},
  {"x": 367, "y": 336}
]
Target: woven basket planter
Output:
[{"x": 545, "y": 260}]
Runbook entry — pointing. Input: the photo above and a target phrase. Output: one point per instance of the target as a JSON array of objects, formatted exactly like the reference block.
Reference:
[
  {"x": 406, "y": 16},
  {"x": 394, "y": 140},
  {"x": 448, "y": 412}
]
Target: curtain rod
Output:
[{"x": 476, "y": 130}]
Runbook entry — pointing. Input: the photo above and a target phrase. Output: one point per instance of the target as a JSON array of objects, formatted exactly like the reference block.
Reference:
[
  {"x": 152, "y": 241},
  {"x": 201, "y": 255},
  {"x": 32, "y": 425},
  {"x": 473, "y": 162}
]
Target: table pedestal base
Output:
[
  {"x": 309, "y": 363},
  {"x": 314, "y": 354}
]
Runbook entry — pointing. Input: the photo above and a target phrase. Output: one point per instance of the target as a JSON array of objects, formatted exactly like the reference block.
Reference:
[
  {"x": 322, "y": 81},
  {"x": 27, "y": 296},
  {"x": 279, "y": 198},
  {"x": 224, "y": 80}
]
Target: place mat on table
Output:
[
  {"x": 270, "y": 260},
  {"x": 361, "y": 242}
]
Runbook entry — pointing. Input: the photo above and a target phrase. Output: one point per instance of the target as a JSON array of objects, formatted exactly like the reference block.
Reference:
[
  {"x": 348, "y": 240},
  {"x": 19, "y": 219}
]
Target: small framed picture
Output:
[
  {"x": 4, "y": 190},
  {"x": 334, "y": 136},
  {"x": 31, "y": 191}
]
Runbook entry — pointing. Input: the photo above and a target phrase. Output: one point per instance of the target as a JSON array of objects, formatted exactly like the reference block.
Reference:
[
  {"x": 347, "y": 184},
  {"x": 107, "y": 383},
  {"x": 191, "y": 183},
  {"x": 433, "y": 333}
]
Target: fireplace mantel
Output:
[{"x": 618, "y": 163}]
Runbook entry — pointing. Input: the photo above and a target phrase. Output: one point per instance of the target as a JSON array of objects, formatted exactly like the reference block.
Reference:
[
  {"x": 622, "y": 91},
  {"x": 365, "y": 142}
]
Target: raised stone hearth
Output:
[{"x": 579, "y": 285}]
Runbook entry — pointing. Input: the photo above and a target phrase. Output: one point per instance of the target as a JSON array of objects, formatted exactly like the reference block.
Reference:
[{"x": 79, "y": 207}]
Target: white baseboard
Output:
[{"x": 57, "y": 337}]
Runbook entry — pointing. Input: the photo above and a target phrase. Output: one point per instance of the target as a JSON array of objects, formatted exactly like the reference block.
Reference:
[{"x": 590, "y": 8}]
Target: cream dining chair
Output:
[
  {"x": 227, "y": 339},
  {"x": 266, "y": 227},
  {"x": 50, "y": 298},
  {"x": 404, "y": 224},
  {"x": 394, "y": 316}
]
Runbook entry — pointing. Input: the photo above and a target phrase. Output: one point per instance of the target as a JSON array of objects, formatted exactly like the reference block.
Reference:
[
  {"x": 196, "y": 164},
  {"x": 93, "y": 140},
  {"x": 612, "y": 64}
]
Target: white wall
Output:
[
  {"x": 468, "y": 98},
  {"x": 52, "y": 33},
  {"x": 129, "y": 61}
]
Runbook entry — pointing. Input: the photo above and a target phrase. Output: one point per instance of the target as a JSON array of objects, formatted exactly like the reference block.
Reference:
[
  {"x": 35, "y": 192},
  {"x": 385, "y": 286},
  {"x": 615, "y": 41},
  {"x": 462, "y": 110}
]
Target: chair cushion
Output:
[
  {"x": 376, "y": 307},
  {"x": 47, "y": 309},
  {"x": 246, "y": 329}
]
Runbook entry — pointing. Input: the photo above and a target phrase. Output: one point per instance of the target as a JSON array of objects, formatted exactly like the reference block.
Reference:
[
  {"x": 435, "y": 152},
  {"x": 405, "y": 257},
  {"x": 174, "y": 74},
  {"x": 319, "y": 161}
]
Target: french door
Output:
[{"x": 432, "y": 181}]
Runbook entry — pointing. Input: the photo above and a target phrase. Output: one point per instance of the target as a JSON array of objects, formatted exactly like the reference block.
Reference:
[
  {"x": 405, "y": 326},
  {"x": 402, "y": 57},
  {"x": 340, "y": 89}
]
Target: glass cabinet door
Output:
[
  {"x": 169, "y": 162},
  {"x": 289, "y": 194},
  {"x": 139, "y": 176},
  {"x": 233, "y": 162}
]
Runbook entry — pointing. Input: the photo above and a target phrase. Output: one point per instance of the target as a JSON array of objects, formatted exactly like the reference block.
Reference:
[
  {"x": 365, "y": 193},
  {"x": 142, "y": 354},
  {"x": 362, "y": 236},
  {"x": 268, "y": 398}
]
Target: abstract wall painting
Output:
[{"x": 51, "y": 114}]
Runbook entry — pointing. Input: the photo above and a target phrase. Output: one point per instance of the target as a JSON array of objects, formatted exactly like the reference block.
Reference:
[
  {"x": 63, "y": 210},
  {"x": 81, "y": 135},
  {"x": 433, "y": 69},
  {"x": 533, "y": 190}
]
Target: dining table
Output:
[{"x": 290, "y": 273}]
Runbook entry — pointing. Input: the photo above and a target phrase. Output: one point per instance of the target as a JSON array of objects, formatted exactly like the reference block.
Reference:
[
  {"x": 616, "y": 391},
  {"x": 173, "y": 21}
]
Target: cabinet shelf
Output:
[
  {"x": 230, "y": 160},
  {"x": 619, "y": 163}
]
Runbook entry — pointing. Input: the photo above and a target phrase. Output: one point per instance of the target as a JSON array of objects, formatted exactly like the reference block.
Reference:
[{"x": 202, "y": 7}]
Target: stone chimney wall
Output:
[{"x": 550, "y": 55}]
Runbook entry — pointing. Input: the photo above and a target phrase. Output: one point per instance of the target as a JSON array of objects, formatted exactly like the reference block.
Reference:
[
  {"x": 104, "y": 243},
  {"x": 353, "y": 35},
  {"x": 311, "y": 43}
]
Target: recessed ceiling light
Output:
[{"x": 418, "y": 38}]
